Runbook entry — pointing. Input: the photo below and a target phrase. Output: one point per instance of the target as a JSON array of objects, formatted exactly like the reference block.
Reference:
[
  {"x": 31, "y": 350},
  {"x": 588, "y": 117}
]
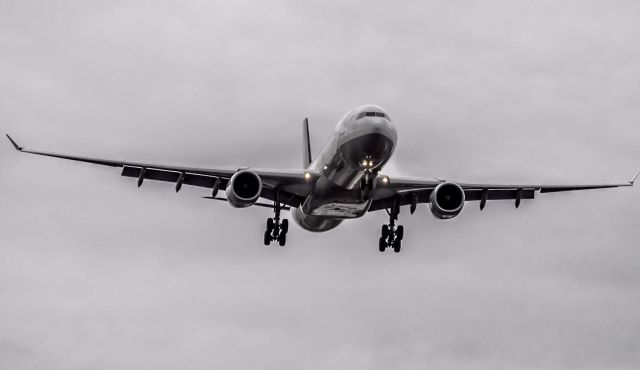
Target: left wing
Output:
[
  {"x": 290, "y": 184},
  {"x": 411, "y": 192}
]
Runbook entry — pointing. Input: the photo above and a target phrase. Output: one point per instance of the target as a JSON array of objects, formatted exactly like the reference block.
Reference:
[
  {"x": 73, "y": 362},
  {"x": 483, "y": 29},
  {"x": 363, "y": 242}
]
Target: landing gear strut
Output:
[
  {"x": 392, "y": 235},
  {"x": 366, "y": 186},
  {"x": 276, "y": 229}
]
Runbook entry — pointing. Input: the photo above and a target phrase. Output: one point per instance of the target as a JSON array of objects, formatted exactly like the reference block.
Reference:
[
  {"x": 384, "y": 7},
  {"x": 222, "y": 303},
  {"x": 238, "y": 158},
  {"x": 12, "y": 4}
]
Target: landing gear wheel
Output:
[
  {"x": 267, "y": 238},
  {"x": 276, "y": 228},
  {"x": 282, "y": 239},
  {"x": 397, "y": 244},
  {"x": 382, "y": 244},
  {"x": 270, "y": 224},
  {"x": 385, "y": 231},
  {"x": 392, "y": 235},
  {"x": 400, "y": 232}
]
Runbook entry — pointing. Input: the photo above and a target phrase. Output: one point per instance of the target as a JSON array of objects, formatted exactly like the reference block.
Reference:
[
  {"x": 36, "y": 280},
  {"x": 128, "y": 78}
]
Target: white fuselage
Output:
[{"x": 361, "y": 145}]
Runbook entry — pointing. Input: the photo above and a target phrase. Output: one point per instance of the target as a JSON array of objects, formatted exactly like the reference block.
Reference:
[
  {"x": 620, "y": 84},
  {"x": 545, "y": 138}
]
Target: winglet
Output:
[
  {"x": 634, "y": 178},
  {"x": 15, "y": 145}
]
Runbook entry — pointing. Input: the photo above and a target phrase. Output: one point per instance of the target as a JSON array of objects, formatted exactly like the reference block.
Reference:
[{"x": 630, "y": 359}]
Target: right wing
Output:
[
  {"x": 405, "y": 191},
  {"x": 291, "y": 185}
]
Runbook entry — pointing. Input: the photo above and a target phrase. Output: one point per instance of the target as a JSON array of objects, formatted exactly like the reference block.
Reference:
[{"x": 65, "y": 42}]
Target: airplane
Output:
[{"x": 343, "y": 182}]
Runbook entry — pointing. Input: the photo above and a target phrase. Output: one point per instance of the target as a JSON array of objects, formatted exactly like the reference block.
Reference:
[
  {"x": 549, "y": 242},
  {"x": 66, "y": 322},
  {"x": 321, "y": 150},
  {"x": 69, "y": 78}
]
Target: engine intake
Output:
[
  {"x": 243, "y": 189},
  {"x": 446, "y": 201}
]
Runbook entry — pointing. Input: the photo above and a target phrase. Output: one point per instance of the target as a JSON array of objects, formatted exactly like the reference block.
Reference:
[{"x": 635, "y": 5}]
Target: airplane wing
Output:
[
  {"x": 293, "y": 187},
  {"x": 291, "y": 184},
  {"x": 415, "y": 191}
]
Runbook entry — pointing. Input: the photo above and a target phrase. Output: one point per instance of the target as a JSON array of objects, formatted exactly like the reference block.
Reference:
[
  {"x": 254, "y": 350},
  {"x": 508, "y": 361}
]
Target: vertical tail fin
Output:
[{"x": 306, "y": 145}]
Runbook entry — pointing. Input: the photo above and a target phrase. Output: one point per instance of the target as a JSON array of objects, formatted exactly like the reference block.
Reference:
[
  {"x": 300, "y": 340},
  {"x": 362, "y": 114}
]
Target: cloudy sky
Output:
[{"x": 97, "y": 274}]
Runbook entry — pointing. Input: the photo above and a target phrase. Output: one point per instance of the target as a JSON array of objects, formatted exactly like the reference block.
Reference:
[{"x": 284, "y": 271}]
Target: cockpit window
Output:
[{"x": 371, "y": 114}]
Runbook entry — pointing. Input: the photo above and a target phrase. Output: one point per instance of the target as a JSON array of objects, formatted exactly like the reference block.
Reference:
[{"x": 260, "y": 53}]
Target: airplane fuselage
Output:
[{"x": 346, "y": 169}]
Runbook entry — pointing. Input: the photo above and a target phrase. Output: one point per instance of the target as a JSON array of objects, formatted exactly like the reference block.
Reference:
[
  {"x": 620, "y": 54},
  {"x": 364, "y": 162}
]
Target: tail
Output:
[{"x": 306, "y": 145}]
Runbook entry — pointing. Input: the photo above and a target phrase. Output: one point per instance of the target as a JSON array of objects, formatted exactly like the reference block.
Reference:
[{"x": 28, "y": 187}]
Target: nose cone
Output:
[
  {"x": 388, "y": 129},
  {"x": 378, "y": 125},
  {"x": 373, "y": 119},
  {"x": 368, "y": 151}
]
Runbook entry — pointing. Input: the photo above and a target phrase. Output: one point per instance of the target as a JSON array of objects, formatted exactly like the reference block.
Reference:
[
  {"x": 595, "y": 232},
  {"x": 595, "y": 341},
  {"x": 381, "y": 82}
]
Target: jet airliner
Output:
[{"x": 343, "y": 182}]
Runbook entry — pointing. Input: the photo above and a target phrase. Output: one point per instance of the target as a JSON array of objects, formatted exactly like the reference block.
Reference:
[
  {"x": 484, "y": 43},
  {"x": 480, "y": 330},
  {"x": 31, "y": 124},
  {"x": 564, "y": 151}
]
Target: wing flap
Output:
[
  {"x": 203, "y": 181},
  {"x": 151, "y": 174},
  {"x": 194, "y": 179},
  {"x": 499, "y": 194},
  {"x": 422, "y": 196}
]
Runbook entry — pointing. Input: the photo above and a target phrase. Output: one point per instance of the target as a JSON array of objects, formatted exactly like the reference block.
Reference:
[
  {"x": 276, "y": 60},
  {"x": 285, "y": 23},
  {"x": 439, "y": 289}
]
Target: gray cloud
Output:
[{"x": 95, "y": 273}]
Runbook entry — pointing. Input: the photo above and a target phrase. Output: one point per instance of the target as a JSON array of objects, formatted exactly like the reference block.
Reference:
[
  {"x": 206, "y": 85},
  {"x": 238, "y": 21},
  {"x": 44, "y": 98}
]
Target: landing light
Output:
[
  {"x": 385, "y": 180},
  {"x": 364, "y": 163},
  {"x": 307, "y": 176},
  {"x": 370, "y": 163}
]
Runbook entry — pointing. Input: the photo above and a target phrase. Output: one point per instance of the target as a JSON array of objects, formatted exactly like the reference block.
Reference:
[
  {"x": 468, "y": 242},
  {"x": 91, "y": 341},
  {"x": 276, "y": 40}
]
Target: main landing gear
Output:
[
  {"x": 392, "y": 235},
  {"x": 276, "y": 229}
]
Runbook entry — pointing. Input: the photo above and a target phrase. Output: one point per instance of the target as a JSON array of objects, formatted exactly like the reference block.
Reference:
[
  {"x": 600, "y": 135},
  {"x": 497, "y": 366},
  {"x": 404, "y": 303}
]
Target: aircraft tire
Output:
[
  {"x": 397, "y": 245},
  {"x": 267, "y": 238},
  {"x": 382, "y": 244},
  {"x": 400, "y": 232},
  {"x": 385, "y": 231}
]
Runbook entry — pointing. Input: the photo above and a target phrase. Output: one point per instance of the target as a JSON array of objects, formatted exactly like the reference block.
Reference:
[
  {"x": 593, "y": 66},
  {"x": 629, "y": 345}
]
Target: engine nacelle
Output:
[
  {"x": 446, "y": 201},
  {"x": 243, "y": 189}
]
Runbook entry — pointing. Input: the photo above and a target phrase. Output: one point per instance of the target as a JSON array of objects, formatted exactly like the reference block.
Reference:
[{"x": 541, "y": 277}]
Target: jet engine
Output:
[
  {"x": 243, "y": 189},
  {"x": 446, "y": 201}
]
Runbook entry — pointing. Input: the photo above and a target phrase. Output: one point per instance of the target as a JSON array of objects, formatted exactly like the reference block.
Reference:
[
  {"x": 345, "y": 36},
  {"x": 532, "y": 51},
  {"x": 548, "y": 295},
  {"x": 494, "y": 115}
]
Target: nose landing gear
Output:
[
  {"x": 366, "y": 186},
  {"x": 392, "y": 235},
  {"x": 276, "y": 229}
]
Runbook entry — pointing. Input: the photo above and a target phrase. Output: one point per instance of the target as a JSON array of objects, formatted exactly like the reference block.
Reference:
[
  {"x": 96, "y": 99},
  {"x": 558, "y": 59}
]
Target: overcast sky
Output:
[{"x": 97, "y": 274}]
